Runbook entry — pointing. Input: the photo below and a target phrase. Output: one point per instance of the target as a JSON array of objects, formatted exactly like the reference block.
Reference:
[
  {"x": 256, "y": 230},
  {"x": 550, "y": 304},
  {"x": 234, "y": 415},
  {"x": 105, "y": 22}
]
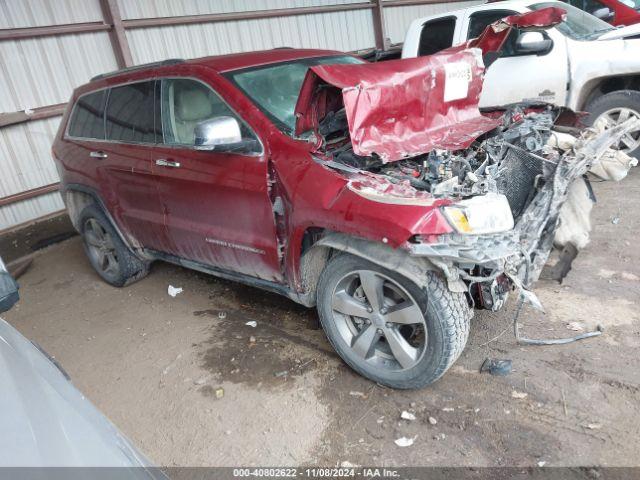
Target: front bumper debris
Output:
[{"x": 521, "y": 253}]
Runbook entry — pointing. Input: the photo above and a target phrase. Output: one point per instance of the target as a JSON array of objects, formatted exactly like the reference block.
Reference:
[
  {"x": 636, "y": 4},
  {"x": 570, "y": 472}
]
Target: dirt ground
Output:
[{"x": 155, "y": 366}]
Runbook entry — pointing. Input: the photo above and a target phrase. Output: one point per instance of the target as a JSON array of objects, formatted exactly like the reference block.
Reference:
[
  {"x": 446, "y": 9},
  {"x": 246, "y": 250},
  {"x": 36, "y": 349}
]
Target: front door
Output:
[
  {"x": 215, "y": 200},
  {"x": 516, "y": 77}
]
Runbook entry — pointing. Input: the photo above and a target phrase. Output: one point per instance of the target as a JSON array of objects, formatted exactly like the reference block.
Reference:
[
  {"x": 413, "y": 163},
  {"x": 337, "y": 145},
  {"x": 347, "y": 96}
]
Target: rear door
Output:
[
  {"x": 116, "y": 160},
  {"x": 215, "y": 201},
  {"x": 516, "y": 77},
  {"x": 126, "y": 172}
]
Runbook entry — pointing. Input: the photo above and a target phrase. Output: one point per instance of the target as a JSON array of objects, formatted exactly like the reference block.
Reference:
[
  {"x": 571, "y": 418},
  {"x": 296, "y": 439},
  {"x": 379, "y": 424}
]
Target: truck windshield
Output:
[
  {"x": 275, "y": 88},
  {"x": 579, "y": 24}
]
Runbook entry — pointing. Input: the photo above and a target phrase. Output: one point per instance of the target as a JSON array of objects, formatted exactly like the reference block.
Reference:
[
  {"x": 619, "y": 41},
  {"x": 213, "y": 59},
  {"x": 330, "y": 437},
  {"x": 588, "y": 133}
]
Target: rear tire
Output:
[
  {"x": 405, "y": 339},
  {"x": 107, "y": 253},
  {"x": 614, "y": 107}
]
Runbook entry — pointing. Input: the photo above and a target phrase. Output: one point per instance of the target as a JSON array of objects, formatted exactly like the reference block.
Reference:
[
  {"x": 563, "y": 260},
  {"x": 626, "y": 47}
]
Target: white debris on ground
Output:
[
  {"x": 433, "y": 421},
  {"x": 519, "y": 395},
  {"x": 252, "y": 323},
  {"x": 407, "y": 415},
  {"x": 575, "y": 326},
  {"x": 405, "y": 442},
  {"x": 575, "y": 220},
  {"x": 201, "y": 380},
  {"x": 173, "y": 291}
]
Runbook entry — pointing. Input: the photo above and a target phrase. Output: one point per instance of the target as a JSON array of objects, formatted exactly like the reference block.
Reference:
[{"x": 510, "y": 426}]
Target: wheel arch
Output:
[
  {"x": 77, "y": 197},
  {"x": 600, "y": 86},
  {"x": 318, "y": 254},
  {"x": 76, "y": 201}
]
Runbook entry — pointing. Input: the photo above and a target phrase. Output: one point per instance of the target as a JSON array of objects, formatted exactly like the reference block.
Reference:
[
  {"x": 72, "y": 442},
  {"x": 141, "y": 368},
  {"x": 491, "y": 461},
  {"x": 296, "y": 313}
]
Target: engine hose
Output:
[{"x": 550, "y": 341}]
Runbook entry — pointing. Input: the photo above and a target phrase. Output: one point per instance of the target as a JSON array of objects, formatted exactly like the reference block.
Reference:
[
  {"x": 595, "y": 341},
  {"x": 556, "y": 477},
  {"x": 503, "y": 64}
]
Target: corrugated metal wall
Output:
[
  {"x": 397, "y": 19},
  {"x": 37, "y": 72},
  {"x": 43, "y": 71},
  {"x": 351, "y": 30}
]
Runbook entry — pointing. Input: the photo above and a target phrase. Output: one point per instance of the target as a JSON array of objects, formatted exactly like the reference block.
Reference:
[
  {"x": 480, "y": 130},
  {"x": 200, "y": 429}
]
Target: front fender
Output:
[
  {"x": 620, "y": 58},
  {"x": 396, "y": 259}
]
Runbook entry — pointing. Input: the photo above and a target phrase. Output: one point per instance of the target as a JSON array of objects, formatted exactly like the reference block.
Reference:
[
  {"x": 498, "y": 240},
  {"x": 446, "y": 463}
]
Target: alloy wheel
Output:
[
  {"x": 101, "y": 248},
  {"x": 615, "y": 116},
  {"x": 379, "y": 320}
]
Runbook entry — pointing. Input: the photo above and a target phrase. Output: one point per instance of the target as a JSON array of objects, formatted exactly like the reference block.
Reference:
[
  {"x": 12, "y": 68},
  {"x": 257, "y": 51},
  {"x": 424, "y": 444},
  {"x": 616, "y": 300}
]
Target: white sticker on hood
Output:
[{"x": 456, "y": 82}]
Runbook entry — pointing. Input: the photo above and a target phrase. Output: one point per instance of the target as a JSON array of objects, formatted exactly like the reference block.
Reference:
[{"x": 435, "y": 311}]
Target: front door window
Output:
[{"x": 187, "y": 103}]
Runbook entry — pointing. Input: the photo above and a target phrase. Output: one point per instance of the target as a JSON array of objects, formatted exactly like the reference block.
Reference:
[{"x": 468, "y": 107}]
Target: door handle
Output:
[
  {"x": 98, "y": 154},
  {"x": 163, "y": 162}
]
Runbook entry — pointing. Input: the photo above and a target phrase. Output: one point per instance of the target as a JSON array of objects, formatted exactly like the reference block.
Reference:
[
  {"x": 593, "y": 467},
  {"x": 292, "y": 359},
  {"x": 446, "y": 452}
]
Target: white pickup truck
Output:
[{"x": 583, "y": 63}]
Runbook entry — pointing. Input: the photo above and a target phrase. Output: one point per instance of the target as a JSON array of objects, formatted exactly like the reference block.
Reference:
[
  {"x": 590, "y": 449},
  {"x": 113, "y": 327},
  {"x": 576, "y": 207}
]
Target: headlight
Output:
[{"x": 488, "y": 213}]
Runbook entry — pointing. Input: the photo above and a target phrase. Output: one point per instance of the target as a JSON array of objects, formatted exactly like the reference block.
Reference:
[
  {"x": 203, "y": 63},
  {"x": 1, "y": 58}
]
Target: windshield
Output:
[
  {"x": 275, "y": 88},
  {"x": 579, "y": 25}
]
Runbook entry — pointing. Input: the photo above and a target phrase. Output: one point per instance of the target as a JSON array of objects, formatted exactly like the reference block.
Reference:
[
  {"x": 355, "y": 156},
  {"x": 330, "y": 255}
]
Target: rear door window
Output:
[
  {"x": 436, "y": 35},
  {"x": 130, "y": 113},
  {"x": 87, "y": 119}
]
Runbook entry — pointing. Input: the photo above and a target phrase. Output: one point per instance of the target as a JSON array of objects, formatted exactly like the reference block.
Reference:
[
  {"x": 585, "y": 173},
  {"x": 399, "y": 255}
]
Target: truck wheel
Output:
[
  {"x": 107, "y": 253},
  {"x": 387, "y": 328},
  {"x": 614, "y": 108}
]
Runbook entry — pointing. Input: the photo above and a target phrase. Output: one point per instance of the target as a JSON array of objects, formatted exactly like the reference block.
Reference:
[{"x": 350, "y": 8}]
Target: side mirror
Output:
[
  {"x": 216, "y": 132},
  {"x": 533, "y": 42},
  {"x": 603, "y": 13}
]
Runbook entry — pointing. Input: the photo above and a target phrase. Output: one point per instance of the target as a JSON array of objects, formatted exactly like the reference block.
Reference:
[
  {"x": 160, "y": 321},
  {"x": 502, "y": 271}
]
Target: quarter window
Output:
[
  {"x": 130, "y": 116},
  {"x": 87, "y": 120},
  {"x": 187, "y": 103},
  {"x": 436, "y": 35}
]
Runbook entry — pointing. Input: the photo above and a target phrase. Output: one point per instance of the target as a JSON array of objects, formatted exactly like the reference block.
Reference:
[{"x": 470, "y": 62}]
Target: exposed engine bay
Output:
[
  {"x": 498, "y": 162},
  {"x": 508, "y": 192}
]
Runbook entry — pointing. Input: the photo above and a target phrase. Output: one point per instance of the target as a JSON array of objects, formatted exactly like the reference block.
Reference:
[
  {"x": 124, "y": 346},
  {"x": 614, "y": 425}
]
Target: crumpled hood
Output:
[{"x": 403, "y": 108}]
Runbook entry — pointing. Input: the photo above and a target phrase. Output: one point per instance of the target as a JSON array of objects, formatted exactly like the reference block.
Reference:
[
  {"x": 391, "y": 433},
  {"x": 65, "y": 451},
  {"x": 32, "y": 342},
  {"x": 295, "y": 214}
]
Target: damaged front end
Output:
[
  {"x": 410, "y": 132},
  {"x": 535, "y": 165}
]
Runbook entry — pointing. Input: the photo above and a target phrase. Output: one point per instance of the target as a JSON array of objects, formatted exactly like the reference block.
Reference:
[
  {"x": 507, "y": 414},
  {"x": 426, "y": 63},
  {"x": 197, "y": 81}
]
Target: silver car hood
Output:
[{"x": 46, "y": 421}]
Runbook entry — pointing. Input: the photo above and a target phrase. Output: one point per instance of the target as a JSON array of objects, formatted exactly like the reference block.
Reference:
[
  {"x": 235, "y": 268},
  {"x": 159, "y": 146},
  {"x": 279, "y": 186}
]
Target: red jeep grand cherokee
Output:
[{"x": 377, "y": 192}]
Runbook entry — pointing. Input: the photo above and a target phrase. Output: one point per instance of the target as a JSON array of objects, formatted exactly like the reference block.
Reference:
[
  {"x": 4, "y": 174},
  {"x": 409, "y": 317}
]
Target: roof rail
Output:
[{"x": 162, "y": 63}]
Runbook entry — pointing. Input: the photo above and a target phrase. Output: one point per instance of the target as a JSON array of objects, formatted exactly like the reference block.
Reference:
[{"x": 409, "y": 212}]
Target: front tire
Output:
[
  {"x": 108, "y": 254},
  {"x": 387, "y": 328},
  {"x": 614, "y": 108}
]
